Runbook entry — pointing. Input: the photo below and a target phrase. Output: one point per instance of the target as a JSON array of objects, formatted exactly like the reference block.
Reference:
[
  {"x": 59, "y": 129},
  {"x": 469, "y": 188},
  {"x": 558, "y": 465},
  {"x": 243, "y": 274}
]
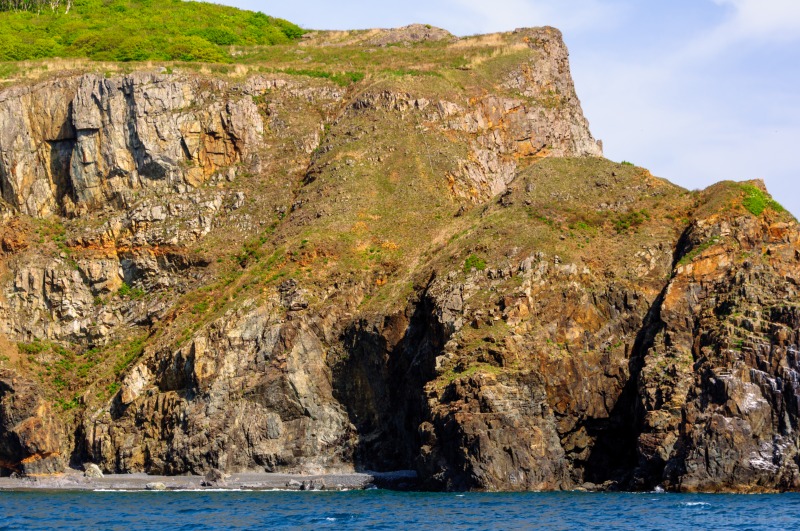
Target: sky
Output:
[{"x": 697, "y": 91}]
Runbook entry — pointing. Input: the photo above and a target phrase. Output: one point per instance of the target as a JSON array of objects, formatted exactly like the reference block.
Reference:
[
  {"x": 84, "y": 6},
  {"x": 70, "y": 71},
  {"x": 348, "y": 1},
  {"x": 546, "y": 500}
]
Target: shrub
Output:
[
  {"x": 474, "y": 261},
  {"x": 129, "y": 355},
  {"x": 36, "y": 347},
  {"x": 218, "y": 36},
  {"x": 342, "y": 79},
  {"x": 126, "y": 291},
  {"x": 632, "y": 219},
  {"x": 195, "y": 48}
]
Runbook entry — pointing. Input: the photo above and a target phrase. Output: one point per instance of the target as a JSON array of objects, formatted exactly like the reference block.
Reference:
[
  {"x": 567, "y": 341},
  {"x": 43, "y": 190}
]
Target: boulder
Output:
[
  {"x": 92, "y": 471},
  {"x": 313, "y": 484},
  {"x": 213, "y": 478}
]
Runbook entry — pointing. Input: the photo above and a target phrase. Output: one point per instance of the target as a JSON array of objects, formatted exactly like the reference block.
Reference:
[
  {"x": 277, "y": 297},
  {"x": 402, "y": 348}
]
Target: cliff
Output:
[{"x": 427, "y": 266}]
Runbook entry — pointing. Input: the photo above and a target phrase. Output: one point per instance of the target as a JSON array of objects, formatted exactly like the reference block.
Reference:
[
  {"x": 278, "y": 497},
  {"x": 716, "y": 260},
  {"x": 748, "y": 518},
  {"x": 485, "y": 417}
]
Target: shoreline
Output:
[{"x": 76, "y": 481}]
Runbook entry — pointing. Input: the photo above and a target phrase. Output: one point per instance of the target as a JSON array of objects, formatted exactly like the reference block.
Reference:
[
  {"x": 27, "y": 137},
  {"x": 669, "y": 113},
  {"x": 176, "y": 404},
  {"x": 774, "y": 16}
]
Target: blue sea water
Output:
[{"x": 378, "y": 509}]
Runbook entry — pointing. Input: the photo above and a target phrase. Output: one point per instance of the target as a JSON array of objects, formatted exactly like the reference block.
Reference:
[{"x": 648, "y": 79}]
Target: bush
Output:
[
  {"x": 36, "y": 347},
  {"x": 342, "y": 79},
  {"x": 195, "y": 49},
  {"x": 474, "y": 261},
  {"x": 632, "y": 219},
  {"x": 126, "y": 291},
  {"x": 134, "y": 49},
  {"x": 218, "y": 36}
]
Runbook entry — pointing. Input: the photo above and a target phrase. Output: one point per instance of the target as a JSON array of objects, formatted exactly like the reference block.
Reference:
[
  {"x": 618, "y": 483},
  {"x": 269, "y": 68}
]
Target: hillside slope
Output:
[
  {"x": 408, "y": 255},
  {"x": 135, "y": 30}
]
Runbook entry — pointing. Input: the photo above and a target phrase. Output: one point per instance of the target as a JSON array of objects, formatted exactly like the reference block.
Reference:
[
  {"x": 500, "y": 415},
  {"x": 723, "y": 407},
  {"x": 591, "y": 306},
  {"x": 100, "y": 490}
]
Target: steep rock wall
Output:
[{"x": 620, "y": 333}]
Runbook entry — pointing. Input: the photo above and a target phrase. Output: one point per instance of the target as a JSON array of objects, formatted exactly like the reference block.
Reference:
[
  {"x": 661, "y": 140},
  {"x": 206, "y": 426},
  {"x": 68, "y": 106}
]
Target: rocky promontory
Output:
[{"x": 408, "y": 254}]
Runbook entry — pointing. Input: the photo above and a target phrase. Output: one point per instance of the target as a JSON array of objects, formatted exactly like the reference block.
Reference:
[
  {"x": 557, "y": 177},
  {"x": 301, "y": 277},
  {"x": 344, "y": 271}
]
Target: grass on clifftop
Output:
[
  {"x": 138, "y": 30},
  {"x": 756, "y": 200}
]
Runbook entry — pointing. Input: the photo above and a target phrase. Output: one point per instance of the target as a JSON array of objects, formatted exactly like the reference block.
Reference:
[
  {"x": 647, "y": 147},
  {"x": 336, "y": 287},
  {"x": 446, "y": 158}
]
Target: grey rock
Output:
[
  {"x": 313, "y": 484},
  {"x": 213, "y": 478},
  {"x": 90, "y": 470},
  {"x": 293, "y": 484}
]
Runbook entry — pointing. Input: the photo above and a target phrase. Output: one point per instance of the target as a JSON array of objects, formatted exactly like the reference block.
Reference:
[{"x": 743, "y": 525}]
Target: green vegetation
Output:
[
  {"x": 33, "y": 348},
  {"x": 8, "y": 70},
  {"x": 134, "y": 293},
  {"x": 132, "y": 351},
  {"x": 401, "y": 72},
  {"x": 474, "y": 261},
  {"x": 697, "y": 251},
  {"x": 135, "y": 30},
  {"x": 200, "y": 307},
  {"x": 342, "y": 79},
  {"x": 451, "y": 375},
  {"x": 629, "y": 220},
  {"x": 67, "y": 405},
  {"x": 756, "y": 200}
]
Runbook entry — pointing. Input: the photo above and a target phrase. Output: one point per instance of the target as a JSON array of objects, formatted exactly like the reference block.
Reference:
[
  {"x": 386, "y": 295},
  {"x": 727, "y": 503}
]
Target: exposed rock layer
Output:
[{"x": 287, "y": 275}]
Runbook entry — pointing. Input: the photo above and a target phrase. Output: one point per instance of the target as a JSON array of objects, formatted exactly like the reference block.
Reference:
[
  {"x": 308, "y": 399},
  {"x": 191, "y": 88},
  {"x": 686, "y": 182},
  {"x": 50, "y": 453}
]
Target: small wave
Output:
[
  {"x": 212, "y": 490},
  {"x": 174, "y": 490},
  {"x": 330, "y": 519},
  {"x": 695, "y": 504},
  {"x": 460, "y": 495}
]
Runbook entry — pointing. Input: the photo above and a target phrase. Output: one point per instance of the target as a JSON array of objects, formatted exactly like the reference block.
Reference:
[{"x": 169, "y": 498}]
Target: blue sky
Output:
[{"x": 697, "y": 91}]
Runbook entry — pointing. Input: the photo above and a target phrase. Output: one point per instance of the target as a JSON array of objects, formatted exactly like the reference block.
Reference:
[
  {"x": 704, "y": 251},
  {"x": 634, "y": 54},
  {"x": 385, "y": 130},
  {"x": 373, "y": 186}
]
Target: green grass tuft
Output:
[
  {"x": 697, "y": 251},
  {"x": 756, "y": 201},
  {"x": 35, "y": 347},
  {"x": 474, "y": 261},
  {"x": 342, "y": 79},
  {"x": 127, "y": 291}
]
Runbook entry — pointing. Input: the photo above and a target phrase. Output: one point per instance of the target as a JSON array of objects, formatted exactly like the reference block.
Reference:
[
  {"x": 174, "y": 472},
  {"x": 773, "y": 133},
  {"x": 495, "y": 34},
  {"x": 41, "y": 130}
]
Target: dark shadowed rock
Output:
[{"x": 213, "y": 478}]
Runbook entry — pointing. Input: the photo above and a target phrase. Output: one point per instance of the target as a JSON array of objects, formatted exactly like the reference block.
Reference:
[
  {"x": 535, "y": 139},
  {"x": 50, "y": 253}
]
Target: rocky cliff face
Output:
[{"x": 429, "y": 270}]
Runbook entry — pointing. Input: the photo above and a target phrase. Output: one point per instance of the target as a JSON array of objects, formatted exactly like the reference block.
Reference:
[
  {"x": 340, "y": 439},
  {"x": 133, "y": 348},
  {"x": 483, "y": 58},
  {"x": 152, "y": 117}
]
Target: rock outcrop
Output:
[
  {"x": 431, "y": 270},
  {"x": 30, "y": 435},
  {"x": 80, "y": 143}
]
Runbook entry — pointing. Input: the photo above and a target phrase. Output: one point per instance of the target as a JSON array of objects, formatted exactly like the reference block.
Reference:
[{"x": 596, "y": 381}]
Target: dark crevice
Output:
[
  {"x": 381, "y": 384},
  {"x": 614, "y": 456}
]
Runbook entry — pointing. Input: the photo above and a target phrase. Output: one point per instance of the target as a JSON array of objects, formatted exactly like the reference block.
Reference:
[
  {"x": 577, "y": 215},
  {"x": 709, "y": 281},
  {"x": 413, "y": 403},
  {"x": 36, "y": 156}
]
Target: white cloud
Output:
[
  {"x": 763, "y": 19},
  {"x": 766, "y": 21}
]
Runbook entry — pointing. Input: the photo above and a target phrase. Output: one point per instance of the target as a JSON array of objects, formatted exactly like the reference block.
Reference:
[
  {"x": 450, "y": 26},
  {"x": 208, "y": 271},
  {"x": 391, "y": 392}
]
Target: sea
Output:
[{"x": 380, "y": 509}]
